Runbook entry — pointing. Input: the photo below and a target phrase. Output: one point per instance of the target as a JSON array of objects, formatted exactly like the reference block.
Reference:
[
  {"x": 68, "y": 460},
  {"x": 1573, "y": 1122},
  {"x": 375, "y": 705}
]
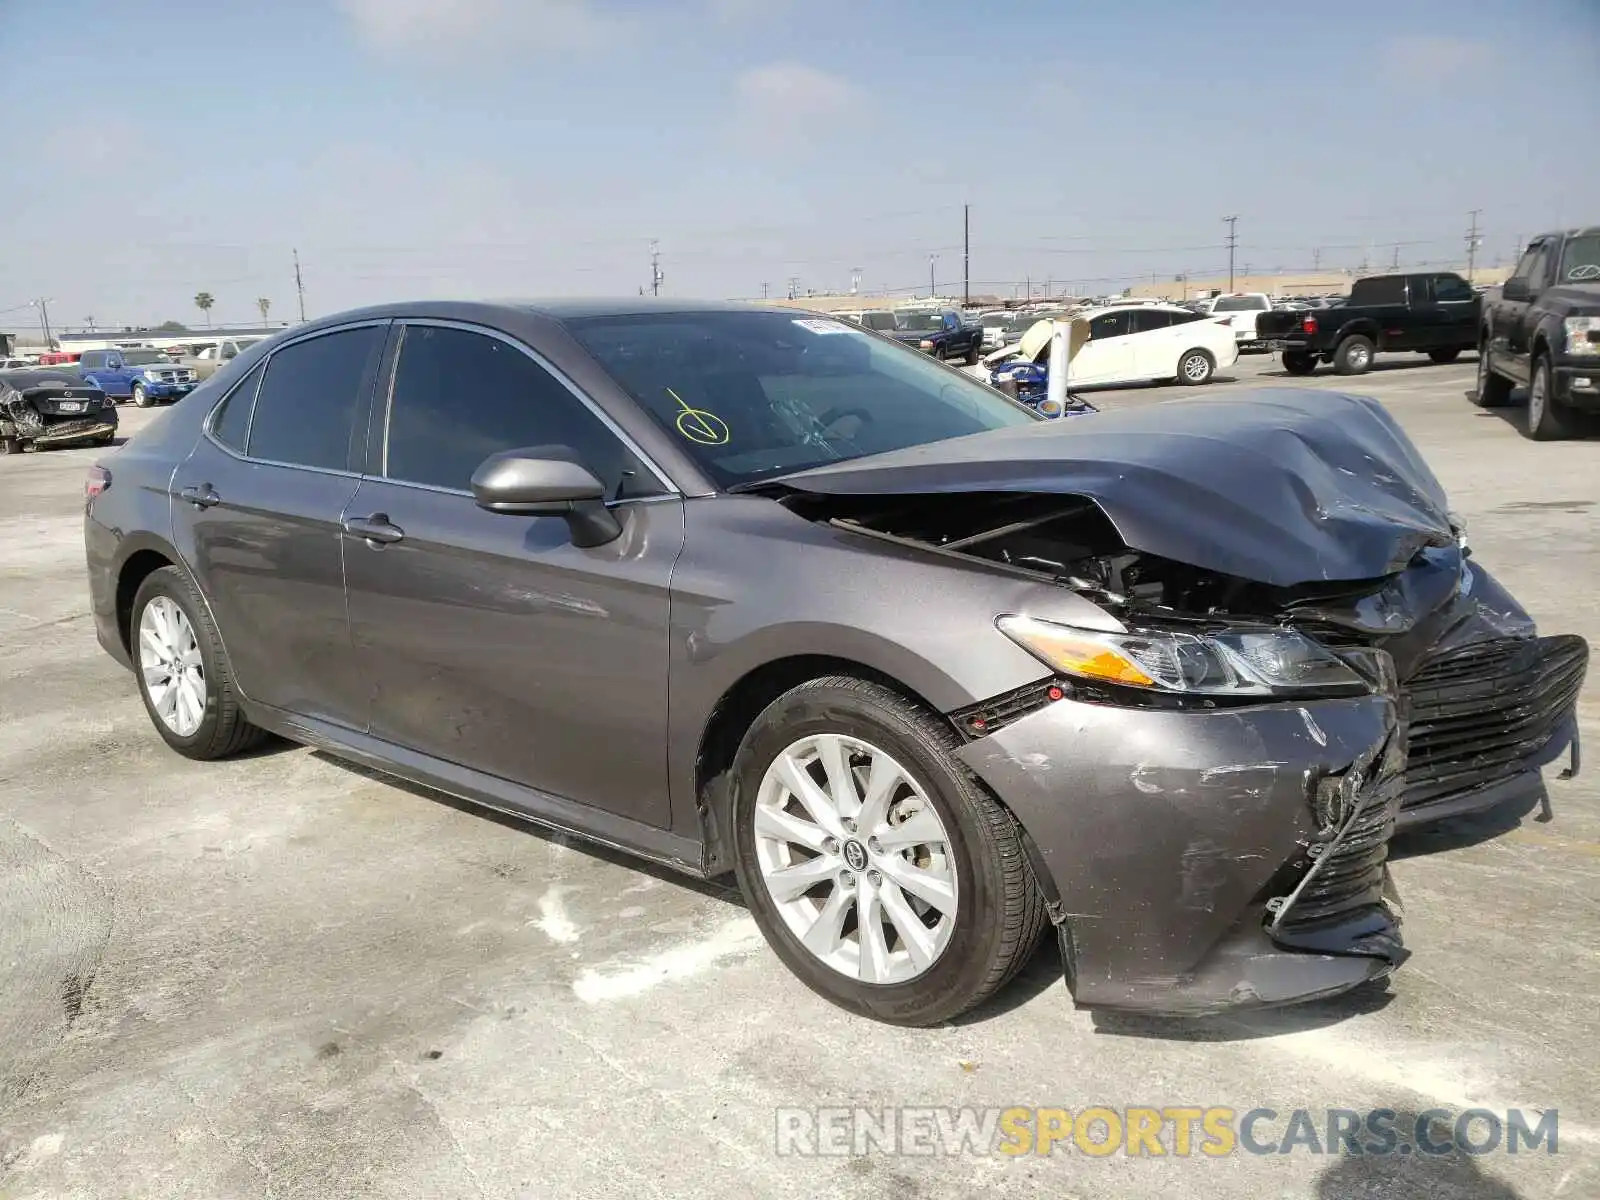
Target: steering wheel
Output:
[{"x": 834, "y": 415}]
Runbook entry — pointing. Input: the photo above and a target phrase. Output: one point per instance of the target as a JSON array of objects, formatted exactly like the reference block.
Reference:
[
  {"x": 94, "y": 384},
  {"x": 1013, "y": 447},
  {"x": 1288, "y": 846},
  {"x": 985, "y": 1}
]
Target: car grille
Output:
[
  {"x": 1476, "y": 715},
  {"x": 1351, "y": 875},
  {"x": 175, "y": 376}
]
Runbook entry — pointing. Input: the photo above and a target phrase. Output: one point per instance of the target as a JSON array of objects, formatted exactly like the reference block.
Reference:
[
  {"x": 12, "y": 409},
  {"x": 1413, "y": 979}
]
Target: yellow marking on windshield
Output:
[{"x": 700, "y": 426}]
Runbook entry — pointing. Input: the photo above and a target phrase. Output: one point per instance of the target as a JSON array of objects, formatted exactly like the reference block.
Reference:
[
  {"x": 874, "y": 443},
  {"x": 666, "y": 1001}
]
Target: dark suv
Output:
[{"x": 748, "y": 592}]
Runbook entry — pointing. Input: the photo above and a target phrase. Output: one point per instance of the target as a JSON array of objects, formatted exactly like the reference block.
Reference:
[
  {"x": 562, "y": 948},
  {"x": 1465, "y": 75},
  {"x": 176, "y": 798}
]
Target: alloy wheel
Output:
[
  {"x": 1195, "y": 368},
  {"x": 856, "y": 859},
  {"x": 171, "y": 666}
]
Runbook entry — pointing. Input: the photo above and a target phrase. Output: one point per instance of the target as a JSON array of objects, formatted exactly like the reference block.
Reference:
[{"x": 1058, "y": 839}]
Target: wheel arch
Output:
[{"x": 1360, "y": 327}]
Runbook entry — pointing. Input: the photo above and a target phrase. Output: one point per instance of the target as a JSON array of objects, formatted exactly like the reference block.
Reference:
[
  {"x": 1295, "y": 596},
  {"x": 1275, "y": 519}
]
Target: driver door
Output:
[
  {"x": 1107, "y": 357},
  {"x": 489, "y": 640}
]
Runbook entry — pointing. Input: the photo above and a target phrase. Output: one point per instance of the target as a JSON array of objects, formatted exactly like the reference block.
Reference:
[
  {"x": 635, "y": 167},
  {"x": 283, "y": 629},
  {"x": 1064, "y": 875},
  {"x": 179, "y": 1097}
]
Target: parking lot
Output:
[{"x": 281, "y": 976}]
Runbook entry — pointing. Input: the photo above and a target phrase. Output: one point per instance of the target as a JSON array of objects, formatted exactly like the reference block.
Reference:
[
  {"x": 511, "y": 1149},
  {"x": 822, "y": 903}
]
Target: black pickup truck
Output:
[
  {"x": 941, "y": 333},
  {"x": 1543, "y": 331},
  {"x": 1435, "y": 313}
]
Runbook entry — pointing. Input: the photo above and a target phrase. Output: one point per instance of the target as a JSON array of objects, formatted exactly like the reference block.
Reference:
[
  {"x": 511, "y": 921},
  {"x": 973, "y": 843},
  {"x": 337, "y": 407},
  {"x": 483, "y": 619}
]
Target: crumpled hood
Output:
[{"x": 1289, "y": 486}]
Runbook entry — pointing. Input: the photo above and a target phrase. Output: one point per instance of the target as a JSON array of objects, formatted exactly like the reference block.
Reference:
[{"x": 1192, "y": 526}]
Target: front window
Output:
[
  {"x": 1580, "y": 261},
  {"x": 750, "y": 395},
  {"x": 144, "y": 358}
]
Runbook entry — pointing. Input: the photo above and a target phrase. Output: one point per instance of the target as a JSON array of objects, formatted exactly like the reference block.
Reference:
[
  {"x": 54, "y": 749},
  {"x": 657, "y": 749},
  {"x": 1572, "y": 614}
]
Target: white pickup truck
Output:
[
  {"x": 1241, "y": 310},
  {"x": 210, "y": 356}
]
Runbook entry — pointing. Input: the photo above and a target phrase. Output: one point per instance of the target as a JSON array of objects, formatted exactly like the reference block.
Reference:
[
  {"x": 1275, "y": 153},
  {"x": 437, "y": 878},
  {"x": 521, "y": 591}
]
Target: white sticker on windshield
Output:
[{"x": 823, "y": 326}]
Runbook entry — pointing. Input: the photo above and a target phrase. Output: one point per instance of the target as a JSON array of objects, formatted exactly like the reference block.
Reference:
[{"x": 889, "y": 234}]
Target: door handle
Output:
[
  {"x": 376, "y": 530},
  {"x": 200, "y": 495}
]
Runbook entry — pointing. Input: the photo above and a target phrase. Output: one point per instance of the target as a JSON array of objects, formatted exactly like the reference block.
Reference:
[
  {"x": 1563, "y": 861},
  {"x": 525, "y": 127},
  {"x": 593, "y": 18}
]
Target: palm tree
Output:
[
  {"x": 263, "y": 304},
  {"x": 203, "y": 301}
]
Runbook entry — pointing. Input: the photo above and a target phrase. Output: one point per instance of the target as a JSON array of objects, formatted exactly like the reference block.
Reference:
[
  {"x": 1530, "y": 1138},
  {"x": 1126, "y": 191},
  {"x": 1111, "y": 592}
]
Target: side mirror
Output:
[
  {"x": 1515, "y": 289},
  {"x": 546, "y": 481}
]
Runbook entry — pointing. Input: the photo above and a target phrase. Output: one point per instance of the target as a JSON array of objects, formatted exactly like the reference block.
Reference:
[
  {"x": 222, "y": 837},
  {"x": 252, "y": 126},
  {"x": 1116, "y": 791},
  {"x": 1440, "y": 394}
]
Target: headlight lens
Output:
[
  {"x": 1583, "y": 335},
  {"x": 1246, "y": 662},
  {"x": 152, "y": 375}
]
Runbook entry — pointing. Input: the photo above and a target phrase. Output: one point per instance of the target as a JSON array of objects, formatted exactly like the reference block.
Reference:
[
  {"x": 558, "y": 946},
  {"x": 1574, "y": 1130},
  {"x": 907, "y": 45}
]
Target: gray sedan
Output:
[{"x": 754, "y": 592}]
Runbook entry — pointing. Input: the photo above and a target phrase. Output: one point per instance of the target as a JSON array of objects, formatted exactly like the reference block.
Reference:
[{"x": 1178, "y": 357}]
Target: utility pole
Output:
[
  {"x": 794, "y": 287},
  {"x": 1233, "y": 243},
  {"x": 300, "y": 287},
  {"x": 855, "y": 280},
  {"x": 763, "y": 289},
  {"x": 1473, "y": 242},
  {"x": 966, "y": 254},
  {"x": 932, "y": 258},
  {"x": 43, "y": 305},
  {"x": 1394, "y": 263},
  {"x": 655, "y": 268},
  {"x": 1316, "y": 259}
]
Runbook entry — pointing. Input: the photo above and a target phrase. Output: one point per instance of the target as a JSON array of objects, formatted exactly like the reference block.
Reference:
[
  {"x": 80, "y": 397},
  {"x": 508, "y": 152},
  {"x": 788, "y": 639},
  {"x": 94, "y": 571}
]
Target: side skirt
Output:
[{"x": 660, "y": 846}]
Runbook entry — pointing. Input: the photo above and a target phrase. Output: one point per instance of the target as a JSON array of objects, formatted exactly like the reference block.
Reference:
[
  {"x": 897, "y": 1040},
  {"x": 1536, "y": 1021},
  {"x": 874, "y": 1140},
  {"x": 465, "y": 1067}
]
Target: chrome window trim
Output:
[
  {"x": 267, "y": 362},
  {"x": 663, "y": 480}
]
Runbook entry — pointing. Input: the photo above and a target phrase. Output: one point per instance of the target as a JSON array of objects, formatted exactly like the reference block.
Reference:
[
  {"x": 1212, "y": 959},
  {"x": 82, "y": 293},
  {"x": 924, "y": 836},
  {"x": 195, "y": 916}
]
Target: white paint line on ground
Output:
[
  {"x": 553, "y": 920},
  {"x": 599, "y": 985}
]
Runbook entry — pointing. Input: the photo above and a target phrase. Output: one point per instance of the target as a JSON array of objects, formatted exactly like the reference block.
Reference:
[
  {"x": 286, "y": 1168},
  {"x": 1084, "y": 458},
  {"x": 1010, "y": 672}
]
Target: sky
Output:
[{"x": 497, "y": 148}]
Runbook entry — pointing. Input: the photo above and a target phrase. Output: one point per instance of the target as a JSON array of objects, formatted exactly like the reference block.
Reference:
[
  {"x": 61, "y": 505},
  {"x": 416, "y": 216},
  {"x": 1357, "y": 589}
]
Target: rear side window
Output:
[
  {"x": 232, "y": 423},
  {"x": 1148, "y": 320},
  {"x": 461, "y": 396},
  {"x": 1388, "y": 289},
  {"x": 92, "y": 359},
  {"x": 307, "y": 403}
]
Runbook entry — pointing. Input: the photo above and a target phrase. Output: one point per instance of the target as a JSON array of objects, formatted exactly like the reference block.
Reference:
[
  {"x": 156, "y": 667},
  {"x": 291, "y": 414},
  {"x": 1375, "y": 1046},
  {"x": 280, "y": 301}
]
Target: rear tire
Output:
[
  {"x": 221, "y": 729},
  {"x": 1547, "y": 420},
  {"x": 1444, "y": 356},
  {"x": 1299, "y": 362},
  {"x": 994, "y": 911},
  {"x": 1493, "y": 391},
  {"x": 974, "y": 355},
  {"x": 1354, "y": 355},
  {"x": 1196, "y": 367}
]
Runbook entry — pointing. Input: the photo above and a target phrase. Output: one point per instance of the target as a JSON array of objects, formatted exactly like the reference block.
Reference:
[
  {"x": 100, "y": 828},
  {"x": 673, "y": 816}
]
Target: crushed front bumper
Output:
[{"x": 1197, "y": 861}]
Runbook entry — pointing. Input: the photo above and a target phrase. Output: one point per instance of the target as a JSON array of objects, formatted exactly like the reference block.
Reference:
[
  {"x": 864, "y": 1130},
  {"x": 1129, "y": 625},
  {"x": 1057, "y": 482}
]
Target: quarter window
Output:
[
  {"x": 1451, "y": 288},
  {"x": 461, "y": 396},
  {"x": 307, "y": 403},
  {"x": 231, "y": 425}
]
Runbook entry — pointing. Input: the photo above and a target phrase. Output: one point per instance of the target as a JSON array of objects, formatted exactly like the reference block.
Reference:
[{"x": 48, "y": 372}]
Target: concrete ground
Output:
[{"x": 283, "y": 977}]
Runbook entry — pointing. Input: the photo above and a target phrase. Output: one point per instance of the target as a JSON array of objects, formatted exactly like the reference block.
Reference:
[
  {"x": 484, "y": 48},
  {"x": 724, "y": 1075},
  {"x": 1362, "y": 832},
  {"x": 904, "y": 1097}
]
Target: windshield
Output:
[
  {"x": 878, "y": 320},
  {"x": 918, "y": 322},
  {"x": 144, "y": 358},
  {"x": 754, "y": 394},
  {"x": 1239, "y": 304},
  {"x": 1580, "y": 263}
]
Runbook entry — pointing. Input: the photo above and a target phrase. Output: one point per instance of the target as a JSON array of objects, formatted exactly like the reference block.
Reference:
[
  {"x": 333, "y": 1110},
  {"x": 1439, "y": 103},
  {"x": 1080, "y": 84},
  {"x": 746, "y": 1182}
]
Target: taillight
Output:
[
  {"x": 1308, "y": 325},
  {"x": 96, "y": 481}
]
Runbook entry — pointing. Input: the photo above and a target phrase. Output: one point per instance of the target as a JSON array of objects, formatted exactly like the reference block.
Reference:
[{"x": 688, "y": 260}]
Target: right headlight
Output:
[
  {"x": 1583, "y": 335},
  {"x": 1262, "y": 662}
]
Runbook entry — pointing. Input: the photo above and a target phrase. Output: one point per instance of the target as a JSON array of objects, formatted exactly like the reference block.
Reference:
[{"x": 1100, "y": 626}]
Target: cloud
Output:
[
  {"x": 403, "y": 26},
  {"x": 791, "y": 106},
  {"x": 1431, "y": 58}
]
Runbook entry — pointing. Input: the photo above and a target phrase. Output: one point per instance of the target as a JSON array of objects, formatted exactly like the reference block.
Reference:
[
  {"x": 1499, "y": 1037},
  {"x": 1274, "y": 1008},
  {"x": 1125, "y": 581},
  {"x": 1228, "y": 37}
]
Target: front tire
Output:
[
  {"x": 1444, "y": 356},
  {"x": 1354, "y": 355},
  {"x": 1547, "y": 421},
  {"x": 1299, "y": 362},
  {"x": 183, "y": 675},
  {"x": 141, "y": 398},
  {"x": 974, "y": 355},
  {"x": 1196, "y": 367},
  {"x": 1493, "y": 391},
  {"x": 877, "y": 867}
]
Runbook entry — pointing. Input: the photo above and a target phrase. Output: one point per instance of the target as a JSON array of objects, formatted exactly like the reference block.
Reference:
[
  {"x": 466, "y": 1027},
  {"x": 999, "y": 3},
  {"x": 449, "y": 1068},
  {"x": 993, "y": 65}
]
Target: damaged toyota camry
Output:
[{"x": 752, "y": 592}]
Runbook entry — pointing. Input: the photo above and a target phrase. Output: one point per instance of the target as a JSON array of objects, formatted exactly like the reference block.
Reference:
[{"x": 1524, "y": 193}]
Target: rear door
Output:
[
  {"x": 489, "y": 640},
  {"x": 256, "y": 514},
  {"x": 1150, "y": 341}
]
